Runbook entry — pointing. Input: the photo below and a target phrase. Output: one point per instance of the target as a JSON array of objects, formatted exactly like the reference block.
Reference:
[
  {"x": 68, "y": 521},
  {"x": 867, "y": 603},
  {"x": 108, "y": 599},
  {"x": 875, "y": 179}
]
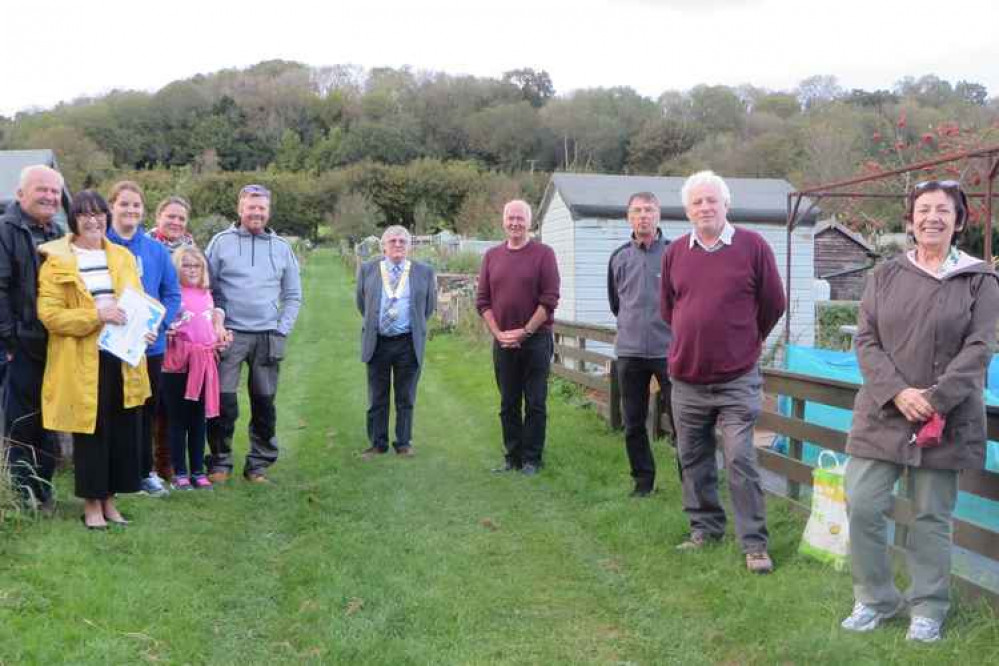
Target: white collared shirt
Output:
[{"x": 724, "y": 239}]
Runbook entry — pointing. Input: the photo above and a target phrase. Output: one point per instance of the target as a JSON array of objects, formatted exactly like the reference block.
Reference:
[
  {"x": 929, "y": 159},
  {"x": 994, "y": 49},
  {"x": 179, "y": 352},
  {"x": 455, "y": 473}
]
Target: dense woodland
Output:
[{"x": 347, "y": 149}]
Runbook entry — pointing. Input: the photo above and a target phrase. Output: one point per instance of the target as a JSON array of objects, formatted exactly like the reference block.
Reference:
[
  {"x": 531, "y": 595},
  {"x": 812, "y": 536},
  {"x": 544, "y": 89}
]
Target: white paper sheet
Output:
[{"x": 128, "y": 341}]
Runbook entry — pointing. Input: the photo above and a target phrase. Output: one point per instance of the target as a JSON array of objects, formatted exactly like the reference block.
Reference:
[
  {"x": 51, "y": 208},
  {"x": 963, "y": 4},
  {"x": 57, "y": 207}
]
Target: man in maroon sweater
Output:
[
  {"x": 517, "y": 295},
  {"x": 721, "y": 295}
]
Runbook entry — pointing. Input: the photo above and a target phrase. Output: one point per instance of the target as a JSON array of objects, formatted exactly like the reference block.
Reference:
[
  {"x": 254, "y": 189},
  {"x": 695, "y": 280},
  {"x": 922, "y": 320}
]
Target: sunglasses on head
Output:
[
  {"x": 255, "y": 191},
  {"x": 943, "y": 184}
]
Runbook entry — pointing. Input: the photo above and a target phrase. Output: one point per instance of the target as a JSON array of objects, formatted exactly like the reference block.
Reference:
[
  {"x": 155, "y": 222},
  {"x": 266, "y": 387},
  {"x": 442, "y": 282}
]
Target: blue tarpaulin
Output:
[{"x": 843, "y": 366}]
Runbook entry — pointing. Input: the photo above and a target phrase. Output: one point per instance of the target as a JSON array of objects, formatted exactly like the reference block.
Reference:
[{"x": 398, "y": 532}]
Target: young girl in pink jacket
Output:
[{"x": 190, "y": 382}]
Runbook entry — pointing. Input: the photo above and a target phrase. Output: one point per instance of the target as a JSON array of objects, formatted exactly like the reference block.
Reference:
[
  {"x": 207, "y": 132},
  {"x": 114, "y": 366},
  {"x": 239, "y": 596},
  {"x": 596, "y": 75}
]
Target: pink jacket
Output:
[{"x": 192, "y": 348}]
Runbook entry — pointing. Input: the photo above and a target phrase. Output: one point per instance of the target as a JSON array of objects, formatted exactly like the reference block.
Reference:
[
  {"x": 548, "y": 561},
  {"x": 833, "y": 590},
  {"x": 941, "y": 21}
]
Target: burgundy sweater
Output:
[
  {"x": 512, "y": 283},
  {"x": 721, "y": 306}
]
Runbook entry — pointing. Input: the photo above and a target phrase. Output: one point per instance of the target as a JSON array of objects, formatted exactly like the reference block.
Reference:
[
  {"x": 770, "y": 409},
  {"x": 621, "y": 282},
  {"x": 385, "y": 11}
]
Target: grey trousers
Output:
[
  {"x": 263, "y": 353},
  {"x": 869, "y": 486},
  {"x": 732, "y": 407}
]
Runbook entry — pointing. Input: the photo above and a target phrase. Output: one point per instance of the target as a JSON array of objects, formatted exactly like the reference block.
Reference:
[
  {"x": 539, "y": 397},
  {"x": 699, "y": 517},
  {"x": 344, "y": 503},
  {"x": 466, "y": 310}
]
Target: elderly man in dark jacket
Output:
[{"x": 24, "y": 226}]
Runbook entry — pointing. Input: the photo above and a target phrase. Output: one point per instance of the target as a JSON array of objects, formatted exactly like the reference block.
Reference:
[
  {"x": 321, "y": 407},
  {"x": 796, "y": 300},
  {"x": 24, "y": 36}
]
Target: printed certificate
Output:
[{"x": 128, "y": 341}]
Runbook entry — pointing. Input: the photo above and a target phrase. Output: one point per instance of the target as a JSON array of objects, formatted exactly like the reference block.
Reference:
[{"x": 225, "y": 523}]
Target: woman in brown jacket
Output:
[{"x": 927, "y": 328}]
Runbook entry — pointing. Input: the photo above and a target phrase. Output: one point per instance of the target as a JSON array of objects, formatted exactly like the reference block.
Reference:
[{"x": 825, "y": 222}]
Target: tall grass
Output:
[{"x": 10, "y": 498}]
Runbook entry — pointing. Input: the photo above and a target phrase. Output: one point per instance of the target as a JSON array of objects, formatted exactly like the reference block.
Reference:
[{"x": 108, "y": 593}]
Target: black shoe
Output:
[
  {"x": 507, "y": 466},
  {"x": 529, "y": 469},
  {"x": 96, "y": 528},
  {"x": 640, "y": 491}
]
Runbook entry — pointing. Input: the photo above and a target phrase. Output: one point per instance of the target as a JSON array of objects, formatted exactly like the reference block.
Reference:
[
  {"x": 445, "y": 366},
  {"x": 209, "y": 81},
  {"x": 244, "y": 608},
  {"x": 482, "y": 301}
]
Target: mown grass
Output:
[{"x": 430, "y": 560}]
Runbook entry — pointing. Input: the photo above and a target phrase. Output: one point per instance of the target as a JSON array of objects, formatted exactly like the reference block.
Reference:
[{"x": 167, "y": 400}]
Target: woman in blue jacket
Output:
[{"x": 159, "y": 280}]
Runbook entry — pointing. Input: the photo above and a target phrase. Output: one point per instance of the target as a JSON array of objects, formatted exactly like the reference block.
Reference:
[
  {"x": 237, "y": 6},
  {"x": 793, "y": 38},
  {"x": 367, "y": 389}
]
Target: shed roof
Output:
[
  {"x": 606, "y": 196},
  {"x": 13, "y": 161},
  {"x": 832, "y": 225}
]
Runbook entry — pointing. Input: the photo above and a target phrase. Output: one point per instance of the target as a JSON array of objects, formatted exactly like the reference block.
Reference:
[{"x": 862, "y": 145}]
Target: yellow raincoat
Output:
[{"x": 69, "y": 312}]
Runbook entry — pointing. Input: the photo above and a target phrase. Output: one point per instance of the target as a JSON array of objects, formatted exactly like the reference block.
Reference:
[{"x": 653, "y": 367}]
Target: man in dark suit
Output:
[{"x": 396, "y": 296}]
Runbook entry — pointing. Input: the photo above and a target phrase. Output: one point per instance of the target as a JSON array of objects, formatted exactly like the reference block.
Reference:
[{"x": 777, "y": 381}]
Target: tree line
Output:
[{"x": 434, "y": 150}]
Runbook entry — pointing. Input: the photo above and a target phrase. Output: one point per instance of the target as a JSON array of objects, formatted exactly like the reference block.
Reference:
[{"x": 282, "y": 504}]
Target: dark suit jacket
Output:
[{"x": 423, "y": 303}]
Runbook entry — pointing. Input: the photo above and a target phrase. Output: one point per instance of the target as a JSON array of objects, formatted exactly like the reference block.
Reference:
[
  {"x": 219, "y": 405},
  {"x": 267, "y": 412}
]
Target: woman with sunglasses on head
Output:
[
  {"x": 925, "y": 337},
  {"x": 159, "y": 280},
  {"x": 87, "y": 391}
]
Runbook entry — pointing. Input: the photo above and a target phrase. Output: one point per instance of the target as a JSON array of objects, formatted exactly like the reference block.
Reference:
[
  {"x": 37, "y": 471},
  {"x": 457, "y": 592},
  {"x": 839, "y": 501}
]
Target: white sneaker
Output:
[
  {"x": 923, "y": 629},
  {"x": 153, "y": 486},
  {"x": 865, "y": 618}
]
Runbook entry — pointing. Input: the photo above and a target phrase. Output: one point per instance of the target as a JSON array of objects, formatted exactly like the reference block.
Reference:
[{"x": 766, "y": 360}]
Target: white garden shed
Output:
[{"x": 583, "y": 218}]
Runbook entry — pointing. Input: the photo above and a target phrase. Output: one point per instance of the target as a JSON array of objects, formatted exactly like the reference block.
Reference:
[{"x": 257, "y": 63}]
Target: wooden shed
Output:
[
  {"x": 583, "y": 218},
  {"x": 843, "y": 259}
]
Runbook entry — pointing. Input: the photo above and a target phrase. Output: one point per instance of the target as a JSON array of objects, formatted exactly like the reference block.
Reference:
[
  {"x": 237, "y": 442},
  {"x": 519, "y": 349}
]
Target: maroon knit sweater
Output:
[
  {"x": 512, "y": 283},
  {"x": 721, "y": 306}
]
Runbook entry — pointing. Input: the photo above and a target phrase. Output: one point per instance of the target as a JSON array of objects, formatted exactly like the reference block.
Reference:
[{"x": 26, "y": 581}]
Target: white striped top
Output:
[{"x": 93, "y": 265}]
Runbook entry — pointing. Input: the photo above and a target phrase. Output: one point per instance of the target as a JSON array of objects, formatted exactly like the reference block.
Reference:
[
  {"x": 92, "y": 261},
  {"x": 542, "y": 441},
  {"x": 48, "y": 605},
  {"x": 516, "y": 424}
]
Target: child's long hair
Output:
[{"x": 178, "y": 260}]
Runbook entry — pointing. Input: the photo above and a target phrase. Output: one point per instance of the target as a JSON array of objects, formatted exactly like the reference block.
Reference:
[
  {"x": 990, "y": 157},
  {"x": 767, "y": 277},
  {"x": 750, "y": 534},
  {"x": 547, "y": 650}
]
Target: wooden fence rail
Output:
[{"x": 596, "y": 371}]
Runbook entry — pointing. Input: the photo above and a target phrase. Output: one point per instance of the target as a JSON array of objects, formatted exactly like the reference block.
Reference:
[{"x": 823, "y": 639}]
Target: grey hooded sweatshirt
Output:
[{"x": 255, "y": 280}]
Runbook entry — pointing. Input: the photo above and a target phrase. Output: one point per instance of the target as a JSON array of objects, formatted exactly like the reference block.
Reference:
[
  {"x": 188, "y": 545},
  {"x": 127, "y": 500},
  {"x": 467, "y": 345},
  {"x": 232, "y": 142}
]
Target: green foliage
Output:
[
  {"x": 203, "y": 229},
  {"x": 355, "y": 218},
  {"x": 829, "y": 316},
  {"x": 10, "y": 500},
  {"x": 368, "y": 128},
  {"x": 448, "y": 261}
]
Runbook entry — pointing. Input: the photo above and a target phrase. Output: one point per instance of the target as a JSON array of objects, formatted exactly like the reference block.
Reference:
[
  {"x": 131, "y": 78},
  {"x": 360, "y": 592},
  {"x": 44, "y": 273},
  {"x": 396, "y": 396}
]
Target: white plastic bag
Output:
[{"x": 827, "y": 534}]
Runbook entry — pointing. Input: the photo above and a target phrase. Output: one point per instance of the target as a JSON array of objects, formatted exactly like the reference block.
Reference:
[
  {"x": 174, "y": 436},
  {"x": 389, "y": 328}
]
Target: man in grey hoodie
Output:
[{"x": 255, "y": 281}]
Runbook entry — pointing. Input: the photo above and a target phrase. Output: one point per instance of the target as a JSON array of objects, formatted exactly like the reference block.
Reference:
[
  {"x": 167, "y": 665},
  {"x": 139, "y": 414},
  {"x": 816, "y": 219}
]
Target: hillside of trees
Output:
[{"x": 357, "y": 148}]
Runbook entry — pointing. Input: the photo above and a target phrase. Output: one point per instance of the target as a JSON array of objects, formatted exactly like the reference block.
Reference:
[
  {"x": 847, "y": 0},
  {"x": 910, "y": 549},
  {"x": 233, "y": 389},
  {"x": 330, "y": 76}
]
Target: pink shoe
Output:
[
  {"x": 201, "y": 482},
  {"x": 181, "y": 483}
]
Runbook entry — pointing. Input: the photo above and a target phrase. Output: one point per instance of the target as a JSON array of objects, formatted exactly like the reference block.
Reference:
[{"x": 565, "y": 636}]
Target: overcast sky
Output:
[{"x": 58, "y": 50}]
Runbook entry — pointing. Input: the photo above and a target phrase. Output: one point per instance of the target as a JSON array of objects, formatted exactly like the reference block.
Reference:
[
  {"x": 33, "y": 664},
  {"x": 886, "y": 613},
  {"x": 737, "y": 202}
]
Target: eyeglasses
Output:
[
  {"x": 94, "y": 217},
  {"x": 639, "y": 210},
  {"x": 254, "y": 191}
]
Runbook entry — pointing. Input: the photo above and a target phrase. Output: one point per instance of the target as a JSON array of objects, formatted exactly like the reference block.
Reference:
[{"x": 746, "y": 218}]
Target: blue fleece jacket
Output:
[{"x": 159, "y": 278}]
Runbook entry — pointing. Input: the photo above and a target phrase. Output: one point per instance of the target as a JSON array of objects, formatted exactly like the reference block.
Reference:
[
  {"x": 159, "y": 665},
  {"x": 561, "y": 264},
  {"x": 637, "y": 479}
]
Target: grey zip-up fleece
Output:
[
  {"x": 633, "y": 284},
  {"x": 255, "y": 280}
]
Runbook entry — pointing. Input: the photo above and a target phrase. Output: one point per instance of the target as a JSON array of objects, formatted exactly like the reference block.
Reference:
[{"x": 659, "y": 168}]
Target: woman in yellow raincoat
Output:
[{"x": 87, "y": 391}]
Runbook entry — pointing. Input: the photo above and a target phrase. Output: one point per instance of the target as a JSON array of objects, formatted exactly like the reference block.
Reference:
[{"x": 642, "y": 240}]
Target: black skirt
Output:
[{"x": 107, "y": 462}]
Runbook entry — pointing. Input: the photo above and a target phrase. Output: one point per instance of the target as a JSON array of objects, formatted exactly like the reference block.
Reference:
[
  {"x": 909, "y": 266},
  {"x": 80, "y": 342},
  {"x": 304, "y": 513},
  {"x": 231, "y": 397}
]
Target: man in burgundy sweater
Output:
[
  {"x": 721, "y": 295},
  {"x": 517, "y": 295}
]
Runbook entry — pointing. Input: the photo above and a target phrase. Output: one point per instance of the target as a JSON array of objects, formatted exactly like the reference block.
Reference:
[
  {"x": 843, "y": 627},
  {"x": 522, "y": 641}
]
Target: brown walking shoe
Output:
[
  {"x": 218, "y": 477},
  {"x": 759, "y": 562},
  {"x": 372, "y": 452}
]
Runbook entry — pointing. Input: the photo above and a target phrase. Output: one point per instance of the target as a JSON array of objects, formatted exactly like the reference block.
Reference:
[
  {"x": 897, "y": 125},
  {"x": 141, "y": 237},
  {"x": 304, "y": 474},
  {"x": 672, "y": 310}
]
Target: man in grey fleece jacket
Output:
[
  {"x": 643, "y": 338},
  {"x": 255, "y": 281}
]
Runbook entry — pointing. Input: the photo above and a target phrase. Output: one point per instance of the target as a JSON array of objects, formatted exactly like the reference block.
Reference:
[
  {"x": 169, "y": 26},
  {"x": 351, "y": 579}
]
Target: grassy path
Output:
[{"x": 430, "y": 560}]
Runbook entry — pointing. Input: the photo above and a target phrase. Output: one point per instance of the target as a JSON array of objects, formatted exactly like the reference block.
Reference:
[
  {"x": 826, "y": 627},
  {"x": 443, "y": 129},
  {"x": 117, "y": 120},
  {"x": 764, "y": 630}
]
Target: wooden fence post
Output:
[{"x": 795, "y": 447}]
